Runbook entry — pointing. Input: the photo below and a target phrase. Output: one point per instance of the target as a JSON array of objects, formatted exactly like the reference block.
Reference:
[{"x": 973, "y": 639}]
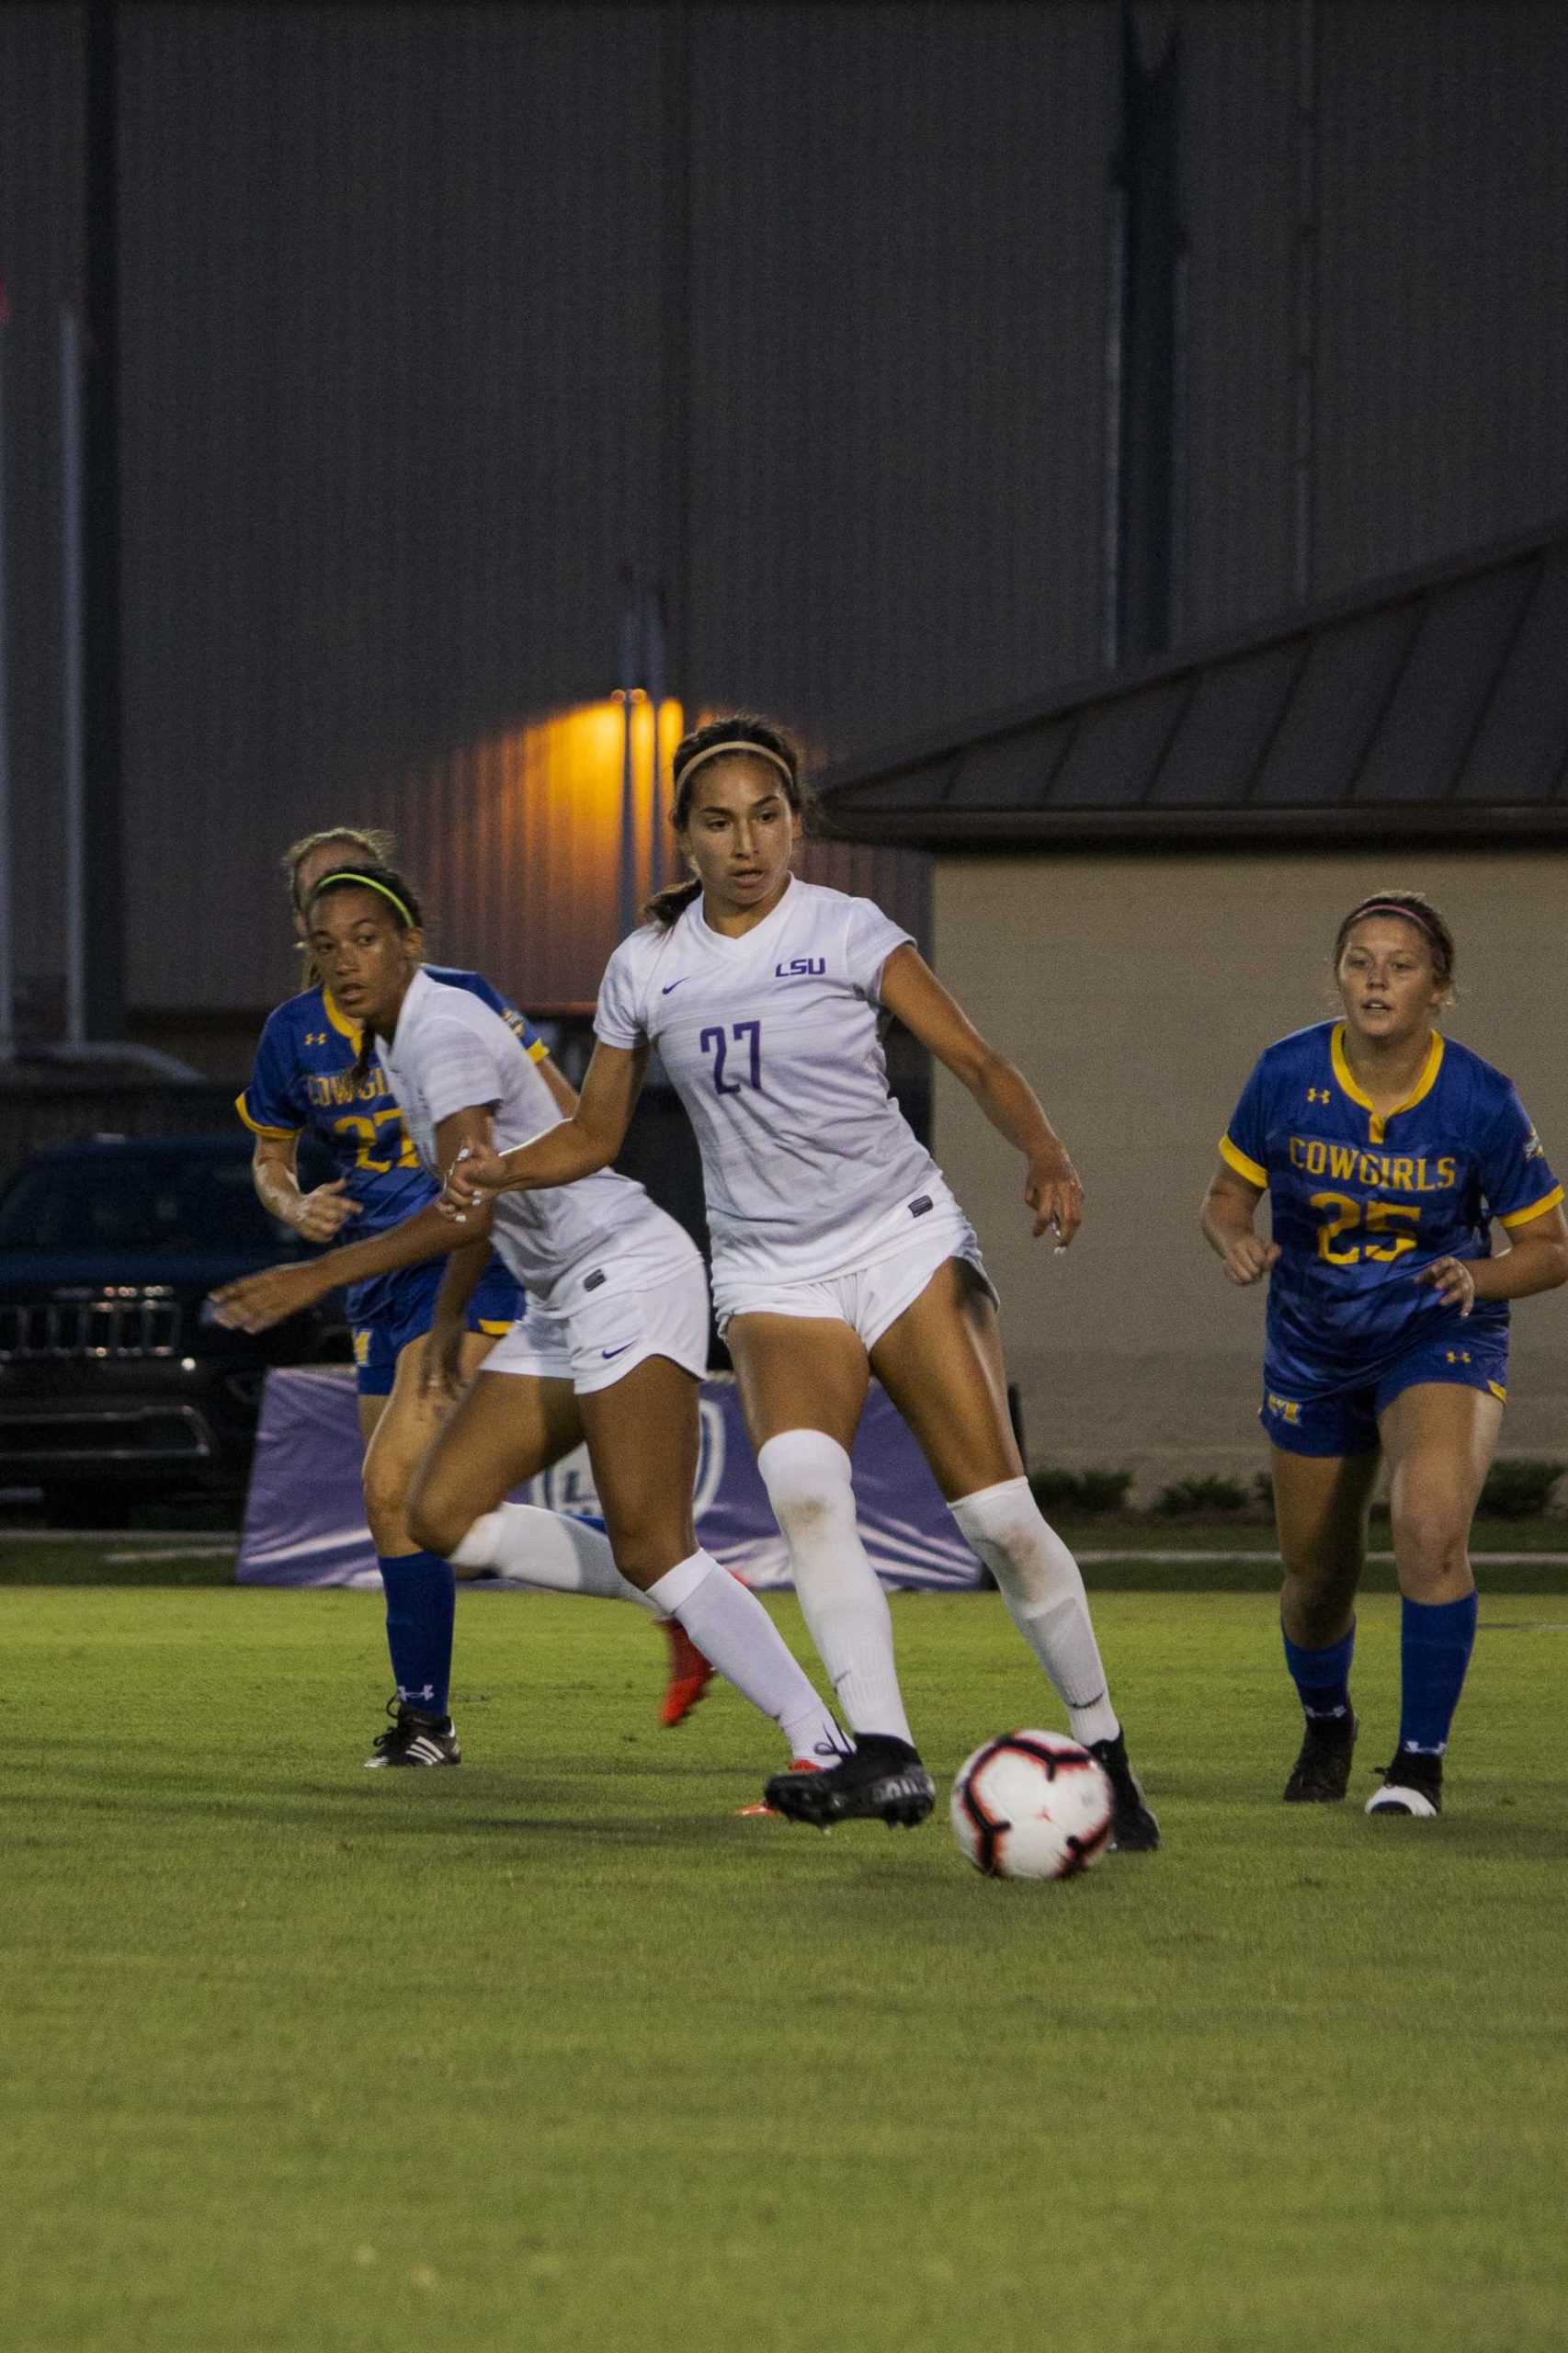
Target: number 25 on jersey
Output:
[{"x": 1345, "y": 1216}]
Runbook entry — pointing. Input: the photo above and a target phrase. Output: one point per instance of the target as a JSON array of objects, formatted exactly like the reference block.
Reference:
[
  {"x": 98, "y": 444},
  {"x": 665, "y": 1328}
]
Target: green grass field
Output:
[{"x": 555, "y": 2053}]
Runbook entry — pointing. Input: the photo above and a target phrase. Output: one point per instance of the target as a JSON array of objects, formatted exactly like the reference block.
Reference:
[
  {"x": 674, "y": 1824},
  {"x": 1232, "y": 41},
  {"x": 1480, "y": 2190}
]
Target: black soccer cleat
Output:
[
  {"x": 1321, "y": 1774},
  {"x": 1135, "y": 1830},
  {"x": 1412, "y": 1785},
  {"x": 414, "y": 1737},
  {"x": 881, "y": 1779}
]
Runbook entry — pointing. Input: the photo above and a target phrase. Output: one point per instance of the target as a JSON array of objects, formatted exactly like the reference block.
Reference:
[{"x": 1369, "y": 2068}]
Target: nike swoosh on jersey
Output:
[{"x": 617, "y": 1352}]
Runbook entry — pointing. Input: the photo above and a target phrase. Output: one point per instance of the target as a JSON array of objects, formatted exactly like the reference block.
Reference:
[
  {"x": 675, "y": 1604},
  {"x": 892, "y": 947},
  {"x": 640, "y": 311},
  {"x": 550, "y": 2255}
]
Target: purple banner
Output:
[{"x": 305, "y": 1525}]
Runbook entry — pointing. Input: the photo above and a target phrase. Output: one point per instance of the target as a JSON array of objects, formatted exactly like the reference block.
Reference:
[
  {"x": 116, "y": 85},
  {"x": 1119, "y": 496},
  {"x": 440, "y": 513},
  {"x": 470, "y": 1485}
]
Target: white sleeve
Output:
[
  {"x": 618, "y": 1017},
  {"x": 870, "y": 937},
  {"x": 461, "y": 1067}
]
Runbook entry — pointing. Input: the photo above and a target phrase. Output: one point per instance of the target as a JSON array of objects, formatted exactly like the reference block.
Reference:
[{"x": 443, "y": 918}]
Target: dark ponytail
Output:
[{"x": 740, "y": 731}]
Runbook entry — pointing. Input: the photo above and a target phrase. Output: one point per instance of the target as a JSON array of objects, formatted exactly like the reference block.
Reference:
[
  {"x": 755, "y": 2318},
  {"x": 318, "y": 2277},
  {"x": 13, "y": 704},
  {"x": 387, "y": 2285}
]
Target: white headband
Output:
[{"x": 739, "y": 743}]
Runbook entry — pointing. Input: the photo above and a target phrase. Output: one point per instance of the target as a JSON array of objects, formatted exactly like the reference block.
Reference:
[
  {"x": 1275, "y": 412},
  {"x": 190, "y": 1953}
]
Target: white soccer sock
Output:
[
  {"x": 549, "y": 1550},
  {"x": 808, "y": 1481},
  {"x": 1043, "y": 1588},
  {"x": 731, "y": 1627}
]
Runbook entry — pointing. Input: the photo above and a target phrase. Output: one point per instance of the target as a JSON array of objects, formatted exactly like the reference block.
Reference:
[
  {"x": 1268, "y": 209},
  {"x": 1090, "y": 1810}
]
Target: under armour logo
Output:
[{"x": 1317, "y": 1095}]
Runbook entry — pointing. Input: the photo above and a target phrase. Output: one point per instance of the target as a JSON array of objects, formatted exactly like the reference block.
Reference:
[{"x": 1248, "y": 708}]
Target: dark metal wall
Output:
[
  {"x": 42, "y": 68},
  {"x": 1377, "y": 222},
  {"x": 434, "y": 319}
]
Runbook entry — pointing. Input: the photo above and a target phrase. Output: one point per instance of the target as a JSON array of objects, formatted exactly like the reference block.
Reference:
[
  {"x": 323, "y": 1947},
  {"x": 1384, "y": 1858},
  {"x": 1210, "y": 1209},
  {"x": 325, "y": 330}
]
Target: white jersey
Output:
[
  {"x": 451, "y": 1051},
  {"x": 772, "y": 1042}
]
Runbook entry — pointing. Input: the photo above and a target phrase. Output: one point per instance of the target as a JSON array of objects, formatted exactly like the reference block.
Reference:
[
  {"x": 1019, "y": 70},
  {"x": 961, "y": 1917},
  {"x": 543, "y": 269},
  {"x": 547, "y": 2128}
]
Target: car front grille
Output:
[
  {"x": 111, "y": 1326},
  {"x": 31, "y": 1445}
]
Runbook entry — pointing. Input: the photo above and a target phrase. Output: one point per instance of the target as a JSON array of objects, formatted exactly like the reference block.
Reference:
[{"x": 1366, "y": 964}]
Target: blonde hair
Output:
[{"x": 372, "y": 843}]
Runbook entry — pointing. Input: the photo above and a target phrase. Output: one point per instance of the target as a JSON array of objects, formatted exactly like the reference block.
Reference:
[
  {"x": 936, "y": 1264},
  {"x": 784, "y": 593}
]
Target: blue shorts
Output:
[
  {"x": 1344, "y": 1419},
  {"x": 493, "y": 1308}
]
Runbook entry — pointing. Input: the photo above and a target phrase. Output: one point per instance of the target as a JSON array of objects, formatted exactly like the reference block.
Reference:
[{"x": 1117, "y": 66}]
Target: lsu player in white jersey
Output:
[
  {"x": 612, "y": 1346},
  {"x": 299, "y": 1084},
  {"x": 838, "y": 1248}
]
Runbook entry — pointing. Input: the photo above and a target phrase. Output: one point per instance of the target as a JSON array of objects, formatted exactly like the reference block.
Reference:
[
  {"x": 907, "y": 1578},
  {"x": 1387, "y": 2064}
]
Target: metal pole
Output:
[
  {"x": 7, "y": 928},
  {"x": 1303, "y": 424},
  {"x": 74, "y": 780},
  {"x": 630, "y": 664},
  {"x": 656, "y": 678}
]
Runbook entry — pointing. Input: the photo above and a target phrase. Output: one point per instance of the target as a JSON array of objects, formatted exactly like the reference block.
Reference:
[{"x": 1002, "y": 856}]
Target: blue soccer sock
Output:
[
  {"x": 1435, "y": 1643},
  {"x": 1322, "y": 1677},
  {"x": 421, "y": 1604}
]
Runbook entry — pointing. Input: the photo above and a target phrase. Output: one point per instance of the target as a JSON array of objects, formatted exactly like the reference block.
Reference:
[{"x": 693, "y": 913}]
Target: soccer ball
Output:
[{"x": 1031, "y": 1805}]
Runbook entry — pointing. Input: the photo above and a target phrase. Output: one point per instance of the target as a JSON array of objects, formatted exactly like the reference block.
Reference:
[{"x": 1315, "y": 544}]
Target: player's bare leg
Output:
[
  {"x": 419, "y": 1582},
  {"x": 941, "y": 1364},
  {"x": 1321, "y": 1503},
  {"x": 798, "y": 1372},
  {"x": 643, "y": 1435},
  {"x": 403, "y": 1428},
  {"x": 1439, "y": 1439},
  {"x": 507, "y": 1429}
]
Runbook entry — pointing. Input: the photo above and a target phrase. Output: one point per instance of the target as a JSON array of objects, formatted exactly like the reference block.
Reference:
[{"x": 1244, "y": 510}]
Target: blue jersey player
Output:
[
  {"x": 1388, "y": 1152},
  {"x": 303, "y": 1080},
  {"x": 307, "y": 1077}
]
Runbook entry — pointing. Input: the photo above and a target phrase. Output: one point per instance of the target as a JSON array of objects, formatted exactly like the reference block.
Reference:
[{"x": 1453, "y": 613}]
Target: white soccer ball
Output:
[{"x": 1031, "y": 1805}]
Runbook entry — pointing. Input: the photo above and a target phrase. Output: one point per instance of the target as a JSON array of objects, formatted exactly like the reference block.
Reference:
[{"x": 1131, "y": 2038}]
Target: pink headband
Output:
[{"x": 1388, "y": 908}]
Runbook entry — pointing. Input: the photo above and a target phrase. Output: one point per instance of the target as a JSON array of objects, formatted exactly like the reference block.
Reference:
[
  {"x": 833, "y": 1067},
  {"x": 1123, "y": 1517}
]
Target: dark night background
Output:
[{"x": 921, "y": 359}]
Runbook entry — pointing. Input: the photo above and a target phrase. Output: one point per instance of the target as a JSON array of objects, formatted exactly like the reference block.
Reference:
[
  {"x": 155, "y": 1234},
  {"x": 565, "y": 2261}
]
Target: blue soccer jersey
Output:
[
  {"x": 1362, "y": 1202},
  {"x": 304, "y": 1078}
]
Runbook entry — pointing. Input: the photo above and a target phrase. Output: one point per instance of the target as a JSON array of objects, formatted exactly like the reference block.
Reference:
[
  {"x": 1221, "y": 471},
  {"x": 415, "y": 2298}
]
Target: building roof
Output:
[{"x": 1431, "y": 708}]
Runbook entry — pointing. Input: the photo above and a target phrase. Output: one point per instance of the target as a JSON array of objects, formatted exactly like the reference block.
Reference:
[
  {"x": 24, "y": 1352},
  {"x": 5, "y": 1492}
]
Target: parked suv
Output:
[{"x": 115, "y": 1380}]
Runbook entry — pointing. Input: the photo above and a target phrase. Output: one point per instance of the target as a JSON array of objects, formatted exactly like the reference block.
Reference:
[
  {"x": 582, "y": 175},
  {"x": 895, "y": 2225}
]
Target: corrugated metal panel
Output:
[
  {"x": 898, "y": 217},
  {"x": 434, "y": 317},
  {"x": 391, "y": 286},
  {"x": 42, "y": 62},
  {"x": 1239, "y": 160},
  {"x": 1444, "y": 279}
]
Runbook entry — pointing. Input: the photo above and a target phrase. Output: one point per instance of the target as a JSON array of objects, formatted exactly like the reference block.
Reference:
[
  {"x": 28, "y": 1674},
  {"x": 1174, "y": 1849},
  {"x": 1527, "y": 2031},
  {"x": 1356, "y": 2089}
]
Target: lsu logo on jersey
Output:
[
  {"x": 800, "y": 967},
  {"x": 1288, "y": 1409}
]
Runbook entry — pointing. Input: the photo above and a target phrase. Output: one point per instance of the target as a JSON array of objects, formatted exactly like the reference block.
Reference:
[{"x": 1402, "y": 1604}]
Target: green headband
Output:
[{"x": 369, "y": 882}]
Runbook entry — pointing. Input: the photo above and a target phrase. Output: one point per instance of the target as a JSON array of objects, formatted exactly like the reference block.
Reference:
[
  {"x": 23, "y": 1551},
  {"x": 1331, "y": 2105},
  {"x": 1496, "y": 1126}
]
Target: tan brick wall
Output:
[{"x": 1135, "y": 993}]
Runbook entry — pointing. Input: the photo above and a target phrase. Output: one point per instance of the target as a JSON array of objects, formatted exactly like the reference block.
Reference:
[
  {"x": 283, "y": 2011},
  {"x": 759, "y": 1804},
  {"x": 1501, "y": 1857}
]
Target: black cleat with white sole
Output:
[
  {"x": 416, "y": 1737},
  {"x": 880, "y": 1780},
  {"x": 1321, "y": 1774},
  {"x": 1133, "y": 1829},
  {"x": 1412, "y": 1786}
]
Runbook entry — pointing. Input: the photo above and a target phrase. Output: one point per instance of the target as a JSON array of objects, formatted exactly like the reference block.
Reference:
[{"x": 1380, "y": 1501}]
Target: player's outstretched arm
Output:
[
  {"x": 317, "y": 1215},
  {"x": 1052, "y": 1188},
  {"x": 579, "y": 1147},
  {"x": 1229, "y": 1208},
  {"x": 257, "y": 1302}
]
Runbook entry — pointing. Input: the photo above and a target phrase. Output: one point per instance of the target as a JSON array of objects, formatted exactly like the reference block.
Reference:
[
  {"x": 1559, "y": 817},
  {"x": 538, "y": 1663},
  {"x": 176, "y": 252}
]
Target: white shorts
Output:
[
  {"x": 635, "y": 1312},
  {"x": 869, "y": 1299}
]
